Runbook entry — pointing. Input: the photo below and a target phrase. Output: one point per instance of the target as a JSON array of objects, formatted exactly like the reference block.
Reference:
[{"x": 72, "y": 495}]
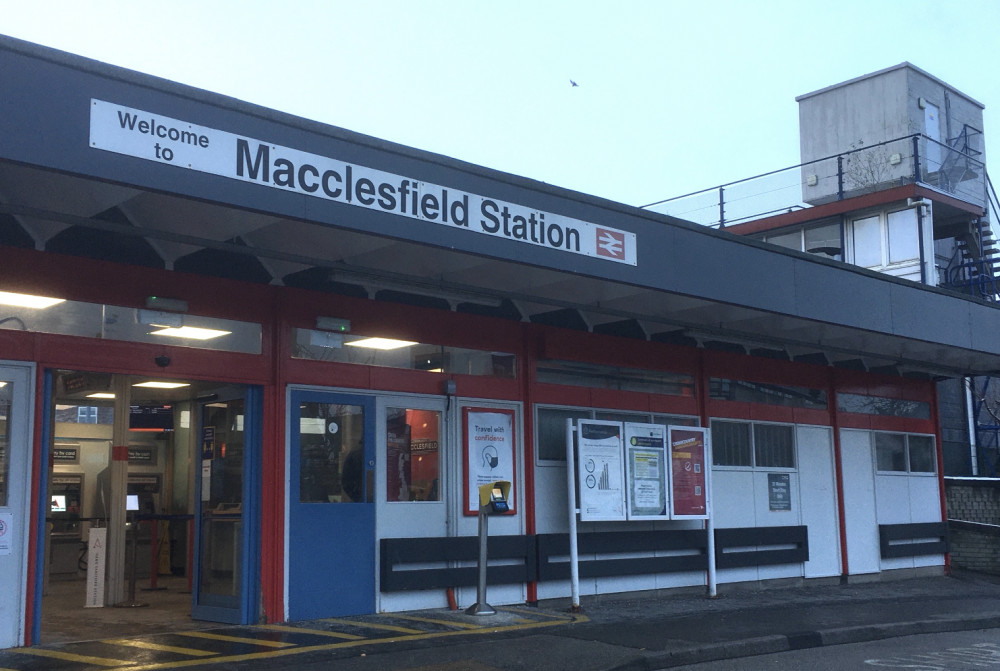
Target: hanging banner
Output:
[
  {"x": 600, "y": 471},
  {"x": 646, "y": 471},
  {"x": 489, "y": 453},
  {"x": 689, "y": 468},
  {"x": 96, "y": 557}
]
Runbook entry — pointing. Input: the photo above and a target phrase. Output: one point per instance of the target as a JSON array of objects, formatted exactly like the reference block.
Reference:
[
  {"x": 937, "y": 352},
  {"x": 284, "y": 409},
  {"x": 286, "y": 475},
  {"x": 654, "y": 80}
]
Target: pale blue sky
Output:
[{"x": 672, "y": 96}]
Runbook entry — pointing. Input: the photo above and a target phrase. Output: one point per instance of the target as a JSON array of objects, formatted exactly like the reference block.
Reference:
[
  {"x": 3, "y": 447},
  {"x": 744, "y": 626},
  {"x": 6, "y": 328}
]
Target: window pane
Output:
[
  {"x": 391, "y": 353},
  {"x": 675, "y": 420},
  {"x": 867, "y": 243},
  {"x": 611, "y": 416},
  {"x": 413, "y": 449},
  {"x": 904, "y": 243},
  {"x": 551, "y": 430},
  {"x": 791, "y": 240},
  {"x": 921, "y": 454},
  {"x": 331, "y": 443},
  {"x": 824, "y": 240},
  {"x": 730, "y": 444},
  {"x": 771, "y": 394},
  {"x": 890, "y": 451},
  {"x": 880, "y": 405},
  {"x": 613, "y": 377},
  {"x": 774, "y": 446}
]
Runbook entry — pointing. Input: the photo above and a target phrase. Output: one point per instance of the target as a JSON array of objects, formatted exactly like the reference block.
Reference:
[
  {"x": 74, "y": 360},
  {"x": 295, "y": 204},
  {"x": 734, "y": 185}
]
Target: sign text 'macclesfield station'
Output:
[{"x": 145, "y": 135}]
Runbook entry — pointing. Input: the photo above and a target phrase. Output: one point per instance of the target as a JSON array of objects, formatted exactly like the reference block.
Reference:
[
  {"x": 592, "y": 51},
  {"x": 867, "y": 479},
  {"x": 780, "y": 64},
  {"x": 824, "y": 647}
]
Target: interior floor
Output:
[{"x": 65, "y": 619}]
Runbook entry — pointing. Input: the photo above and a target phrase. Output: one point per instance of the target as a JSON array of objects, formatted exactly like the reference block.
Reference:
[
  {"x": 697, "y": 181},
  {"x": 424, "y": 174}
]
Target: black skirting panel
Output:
[
  {"x": 913, "y": 540},
  {"x": 398, "y": 553},
  {"x": 689, "y": 550},
  {"x": 545, "y": 557},
  {"x": 761, "y": 546}
]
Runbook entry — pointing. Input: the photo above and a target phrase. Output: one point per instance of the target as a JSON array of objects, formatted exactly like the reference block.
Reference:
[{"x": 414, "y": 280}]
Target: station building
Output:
[{"x": 279, "y": 340}]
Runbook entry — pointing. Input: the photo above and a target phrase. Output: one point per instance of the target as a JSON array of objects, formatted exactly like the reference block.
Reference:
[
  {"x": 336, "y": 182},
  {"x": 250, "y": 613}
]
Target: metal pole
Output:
[
  {"x": 481, "y": 607},
  {"x": 840, "y": 177},
  {"x": 574, "y": 557},
  {"x": 710, "y": 530},
  {"x": 132, "y": 603},
  {"x": 710, "y": 522},
  {"x": 722, "y": 207}
]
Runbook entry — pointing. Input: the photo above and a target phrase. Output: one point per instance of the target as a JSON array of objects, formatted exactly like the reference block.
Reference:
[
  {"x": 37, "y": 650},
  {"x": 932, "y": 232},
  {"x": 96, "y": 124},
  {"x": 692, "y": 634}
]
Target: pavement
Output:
[{"x": 632, "y": 632}]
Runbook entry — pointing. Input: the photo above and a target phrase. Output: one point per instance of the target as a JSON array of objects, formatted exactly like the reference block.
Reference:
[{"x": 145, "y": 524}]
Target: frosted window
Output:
[
  {"x": 867, "y": 243},
  {"x": 904, "y": 242}
]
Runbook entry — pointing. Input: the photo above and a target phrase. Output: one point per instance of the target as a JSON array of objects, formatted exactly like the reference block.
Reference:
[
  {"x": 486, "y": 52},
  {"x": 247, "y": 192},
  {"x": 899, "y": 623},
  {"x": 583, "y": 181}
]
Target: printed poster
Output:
[
  {"x": 6, "y": 533},
  {"x": 689, "y": 468},
  {"x": 646, "y": 471},
  {"x": 489, "y": 453},
  {"x": 600, "y": 471}
]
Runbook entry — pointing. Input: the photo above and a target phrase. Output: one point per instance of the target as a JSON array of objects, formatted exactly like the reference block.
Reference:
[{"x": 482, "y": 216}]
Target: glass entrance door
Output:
[
  {"x": 331, "y": 537},
  {"x": 225, "y": 577},
  {"x": 15, "y": 461}
]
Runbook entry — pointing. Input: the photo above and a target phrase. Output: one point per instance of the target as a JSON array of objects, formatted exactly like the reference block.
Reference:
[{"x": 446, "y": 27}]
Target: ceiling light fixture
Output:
[
  {"x": 156, "y": 384},
  {"x": 28, "y": 301},
  {"x": 190, "y": 332},
  {"x": 381, "y": 343},
  {"x": 101, "y": 394}
]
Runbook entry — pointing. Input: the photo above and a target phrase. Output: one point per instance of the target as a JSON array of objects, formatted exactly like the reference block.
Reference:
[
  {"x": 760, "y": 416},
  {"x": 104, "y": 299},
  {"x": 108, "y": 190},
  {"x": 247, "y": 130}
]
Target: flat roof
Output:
[{"x": 81, "y": 139}]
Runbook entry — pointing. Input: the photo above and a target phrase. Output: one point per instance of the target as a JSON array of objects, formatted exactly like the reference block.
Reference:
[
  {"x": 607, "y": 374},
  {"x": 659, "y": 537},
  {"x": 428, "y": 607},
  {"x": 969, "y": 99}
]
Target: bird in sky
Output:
[{"x": 573, "y": 83}]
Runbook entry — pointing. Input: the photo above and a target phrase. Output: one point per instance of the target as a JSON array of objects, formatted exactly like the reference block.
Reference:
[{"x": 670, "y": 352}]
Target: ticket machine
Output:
[{"x": 494, "y": 499}]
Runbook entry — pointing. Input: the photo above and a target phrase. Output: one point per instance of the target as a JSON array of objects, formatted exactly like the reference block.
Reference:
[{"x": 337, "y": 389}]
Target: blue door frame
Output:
[{"x": 331, "y": 530}]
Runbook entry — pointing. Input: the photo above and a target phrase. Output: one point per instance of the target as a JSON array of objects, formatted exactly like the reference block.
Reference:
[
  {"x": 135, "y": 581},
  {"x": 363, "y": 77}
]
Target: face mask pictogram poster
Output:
[{"x": 489, "y": 453}]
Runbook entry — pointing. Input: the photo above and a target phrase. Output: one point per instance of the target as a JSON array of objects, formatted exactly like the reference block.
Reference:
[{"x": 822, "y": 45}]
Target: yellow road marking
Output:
[
  {"x": 236, "y": 639},
  {"x": 193, "y": 652},
  {"x": 315, "y": 632},
  {"x": 449, "y": 623},
  {"x": 372, "y": 625},
  {"x": 534, "y": 614},
  {"x": 272, "y": 654},
  {"x": 69, "y": 657}
]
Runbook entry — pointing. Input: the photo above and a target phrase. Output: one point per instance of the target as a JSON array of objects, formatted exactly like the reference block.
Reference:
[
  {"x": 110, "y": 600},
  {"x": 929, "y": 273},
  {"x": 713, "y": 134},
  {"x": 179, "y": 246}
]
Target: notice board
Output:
[
  {"x": 646, "y": 471},
  {"x": 600, "y": 470},
  {"x": 690, "y": 464}
]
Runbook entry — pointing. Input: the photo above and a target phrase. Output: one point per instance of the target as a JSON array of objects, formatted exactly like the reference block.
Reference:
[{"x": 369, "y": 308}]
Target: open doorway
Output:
[{"x": 146, "y": 476}]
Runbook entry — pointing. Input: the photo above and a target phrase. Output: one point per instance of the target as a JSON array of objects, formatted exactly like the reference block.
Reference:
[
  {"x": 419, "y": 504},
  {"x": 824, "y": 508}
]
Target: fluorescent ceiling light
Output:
[
  {"x": 101, "y": 394},
  {"x": 162, "y": 385},
  {"x": 380, "y": 343},
  {"x": 191, "y": 332},
  {"x": 28, "y": 301},
  {"x": 2, "y": 384}
]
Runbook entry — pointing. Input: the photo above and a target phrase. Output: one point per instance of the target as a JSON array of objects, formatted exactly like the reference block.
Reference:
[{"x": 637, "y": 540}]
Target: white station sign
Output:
[{"x": 154, "y": 137}]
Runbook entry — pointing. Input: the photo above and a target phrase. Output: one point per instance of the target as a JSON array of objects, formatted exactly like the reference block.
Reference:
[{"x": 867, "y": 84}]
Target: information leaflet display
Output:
[
  {"x": 600, "y": 471},
  {"x": 489, "y": 453},
  {"x": 646, "y": 471},
  {"x": 689, "y": 459}
]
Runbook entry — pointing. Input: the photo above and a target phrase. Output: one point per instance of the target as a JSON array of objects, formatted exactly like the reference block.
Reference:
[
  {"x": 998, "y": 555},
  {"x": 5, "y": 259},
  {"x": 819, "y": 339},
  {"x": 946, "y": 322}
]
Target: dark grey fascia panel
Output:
[{"x": 45, "y": 117}]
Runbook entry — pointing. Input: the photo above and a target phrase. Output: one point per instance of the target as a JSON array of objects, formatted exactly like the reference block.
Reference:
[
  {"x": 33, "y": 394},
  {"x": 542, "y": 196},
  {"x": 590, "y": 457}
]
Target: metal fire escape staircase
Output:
[{"x": 961, "y": 161}]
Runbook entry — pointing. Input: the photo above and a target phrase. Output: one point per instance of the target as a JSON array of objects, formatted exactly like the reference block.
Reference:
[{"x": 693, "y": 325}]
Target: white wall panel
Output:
[
  {"x": 857, "y": 462},
  {"x": 818, "y": 499}
]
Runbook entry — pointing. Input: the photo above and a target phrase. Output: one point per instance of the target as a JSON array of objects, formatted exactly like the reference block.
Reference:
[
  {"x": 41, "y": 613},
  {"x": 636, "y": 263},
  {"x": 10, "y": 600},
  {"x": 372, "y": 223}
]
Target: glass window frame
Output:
[
  {"x": 907, "y": 453},
  {"x": 390, "y": 406},
  {"x": 592, "y": 413},
  {"x": 309, "y": 344},
  {"x": 754, "y": 466}
]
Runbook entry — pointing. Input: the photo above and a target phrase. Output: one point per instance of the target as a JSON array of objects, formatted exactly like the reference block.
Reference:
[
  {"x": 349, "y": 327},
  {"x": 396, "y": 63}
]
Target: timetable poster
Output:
[
  {"x": 600, "y": 471},
  {"x": 646, "y": 471},
  {"x": 689, "y": 472}
]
